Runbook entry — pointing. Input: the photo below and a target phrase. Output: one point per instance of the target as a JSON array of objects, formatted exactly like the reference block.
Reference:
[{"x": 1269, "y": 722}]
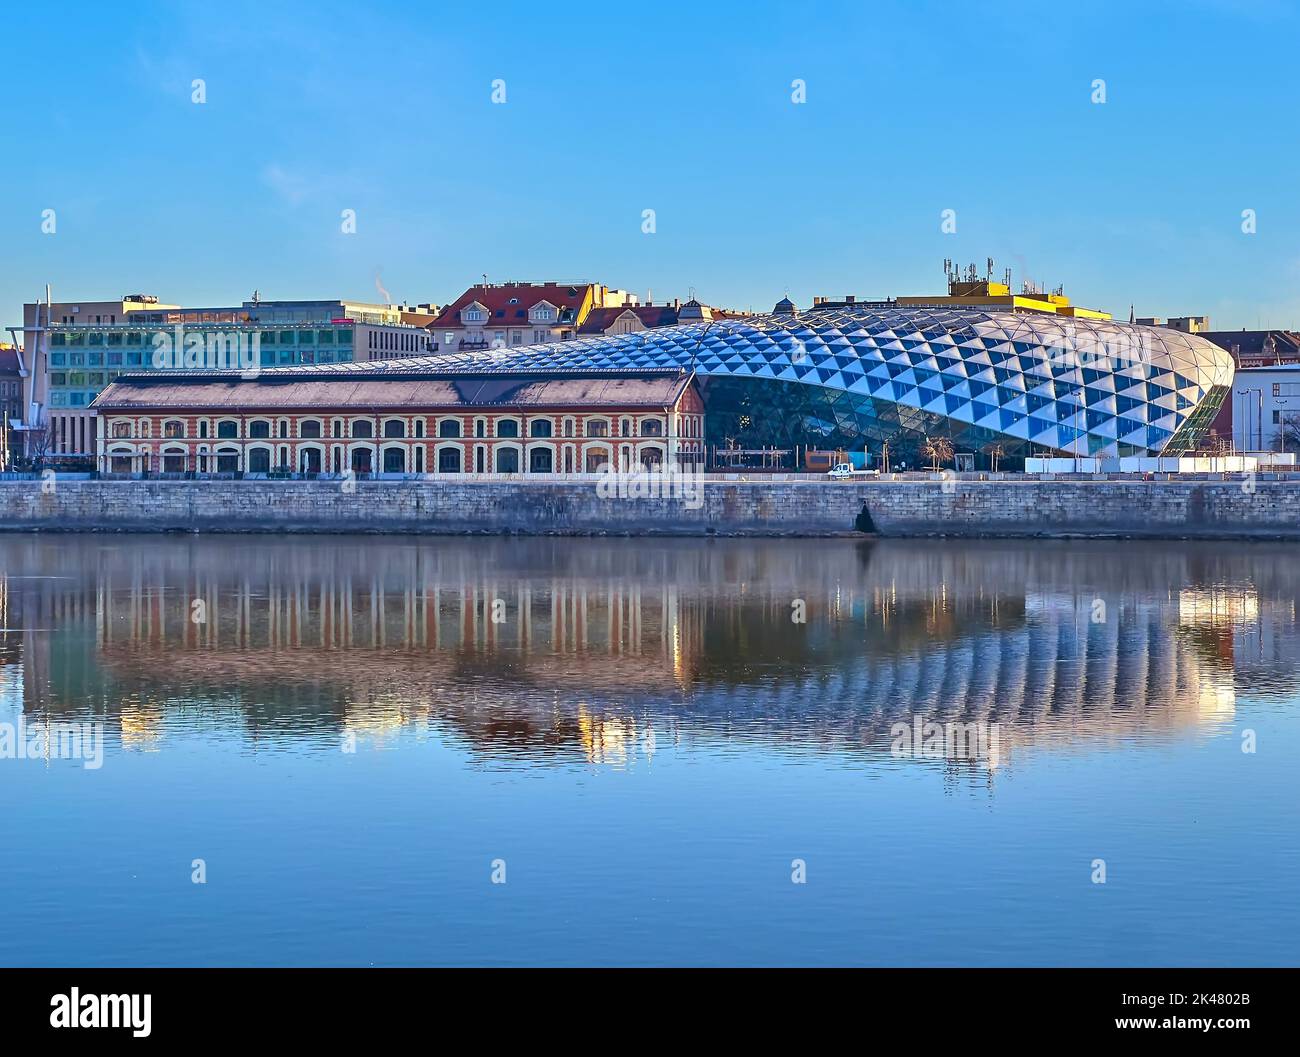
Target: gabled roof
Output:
[
  {"x": 600, "y": 320},
  {"x": 497, "y": 299}
]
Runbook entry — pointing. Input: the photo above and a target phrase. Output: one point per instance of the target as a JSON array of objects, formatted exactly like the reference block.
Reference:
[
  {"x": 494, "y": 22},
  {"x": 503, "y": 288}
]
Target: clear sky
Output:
[{"x": 911, "y": 109}]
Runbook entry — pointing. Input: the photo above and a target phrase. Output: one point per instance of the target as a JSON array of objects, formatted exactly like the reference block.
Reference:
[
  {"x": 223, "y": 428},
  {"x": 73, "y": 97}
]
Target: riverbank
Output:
[{"x": 1240, "y": 508}]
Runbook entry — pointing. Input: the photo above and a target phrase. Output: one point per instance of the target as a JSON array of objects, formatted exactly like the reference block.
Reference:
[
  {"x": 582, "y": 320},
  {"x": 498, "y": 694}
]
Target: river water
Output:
[{"x": 395, "y": 751}]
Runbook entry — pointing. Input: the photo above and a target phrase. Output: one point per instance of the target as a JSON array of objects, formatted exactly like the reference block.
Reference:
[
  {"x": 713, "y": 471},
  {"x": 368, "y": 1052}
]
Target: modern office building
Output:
[
  {"x": 1031, "y": 381},
  {"x": 76, "y": 349},
  {"x": 1263, "y": 414}
]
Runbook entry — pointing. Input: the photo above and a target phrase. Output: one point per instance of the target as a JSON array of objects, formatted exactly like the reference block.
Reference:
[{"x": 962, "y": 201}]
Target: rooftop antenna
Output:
[
  {"x": 485, "y": 280},
  {"x": 989, "y": 274},
  {"x": 257, "y": 297}
]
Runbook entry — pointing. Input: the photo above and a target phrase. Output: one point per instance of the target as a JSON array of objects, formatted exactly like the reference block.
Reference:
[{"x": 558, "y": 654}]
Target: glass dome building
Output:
[{"x": 858, "y": 376}]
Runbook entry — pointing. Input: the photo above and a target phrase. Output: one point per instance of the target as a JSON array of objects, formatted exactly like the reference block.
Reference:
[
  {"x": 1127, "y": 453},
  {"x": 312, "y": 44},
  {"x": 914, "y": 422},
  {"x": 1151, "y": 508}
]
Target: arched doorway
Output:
[
  {"x": 227, "y": 460},
  {"x": 540, "y": 460},
  {"x": 597, "y": 460},
  {"x": 259, "y": 460},
  {"x": 507, "y": 460},
  {"x": 652, "y": 458},
  {"x": 360, "y": 460},
  {"x": 309, "y": 460},
  {"x": 449, "y": 460}
]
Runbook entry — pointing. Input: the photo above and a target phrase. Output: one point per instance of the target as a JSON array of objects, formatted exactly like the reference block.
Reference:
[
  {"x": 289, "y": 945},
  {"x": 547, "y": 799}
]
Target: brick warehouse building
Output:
[{"x": 374, "y": 419}]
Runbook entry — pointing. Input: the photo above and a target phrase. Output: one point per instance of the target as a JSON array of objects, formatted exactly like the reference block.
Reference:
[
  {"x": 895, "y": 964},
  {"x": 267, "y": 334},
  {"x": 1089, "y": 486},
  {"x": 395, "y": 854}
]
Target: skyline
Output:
[{"x": 688, "y": 113}]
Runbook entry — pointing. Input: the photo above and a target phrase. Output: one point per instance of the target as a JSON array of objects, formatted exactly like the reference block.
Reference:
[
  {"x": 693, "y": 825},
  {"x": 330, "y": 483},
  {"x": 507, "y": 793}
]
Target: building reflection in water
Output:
[{"x": 544, "y": 649}]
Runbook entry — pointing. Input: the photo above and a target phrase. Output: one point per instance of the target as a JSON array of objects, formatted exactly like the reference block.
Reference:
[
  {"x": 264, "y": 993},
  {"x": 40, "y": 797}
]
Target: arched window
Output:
[
  {"x": 362, "y": 428},
  {"x": 259, "y": 460},
  {"x": 652, "y": 427},
  {"x": 203, "y": 429},
  {"x": 540, "y": 427},
  {"x": 449, "y": 427},
  {"x": 227, "y": 429},
  {"x": 173, "y": 428},
  {"x": 309, "y": 428},
  {"x": 480, "y": 428},
  {"x": 259, "y": 429},
  {"x": 394, "y": 427},
  {"x": 507, "y": 427},
  {"x": 598, "y": 428},
  {"x": 419, "y": 427},
  {"x": 121, "y": 429}
]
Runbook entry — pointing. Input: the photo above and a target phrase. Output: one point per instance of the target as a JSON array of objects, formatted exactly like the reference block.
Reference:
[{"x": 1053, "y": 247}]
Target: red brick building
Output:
[{"x": 369, "y": 419}]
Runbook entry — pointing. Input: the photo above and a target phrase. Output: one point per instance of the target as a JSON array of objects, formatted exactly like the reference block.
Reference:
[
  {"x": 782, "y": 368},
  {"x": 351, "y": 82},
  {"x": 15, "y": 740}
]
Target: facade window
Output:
[
  {"x": 310, "y": 428},
  {"x": 227, "y": 430},
  {"x": 539, "y": 427},
  {"x": 284, "y": 430},
  {"x": 173, "y": 428},
  {"x": 449, "y": 428},
  {"x": 507, "y": 460},
  {"x": 362, "y": 428},
  {"x": 507, "y": 427},
  {"x": 121, "y": 429},
  {"x": 449, "y": 460},
  {"x": 338, "y": 428},
  {"x": 259, "y": 429},
  {"x": 598, "y": 428},
  {"x": 652, "y": 427},
  {"x": 394, "y": 427}
]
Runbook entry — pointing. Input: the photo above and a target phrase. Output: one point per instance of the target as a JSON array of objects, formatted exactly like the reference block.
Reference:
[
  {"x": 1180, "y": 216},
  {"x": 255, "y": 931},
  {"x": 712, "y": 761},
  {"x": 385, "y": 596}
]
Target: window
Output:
[
  {"x": 395, "y": 427},
  {"x": 260, "y": 429},
  {"x": 121, "y": 429},
  {"x": 507, "y": 460},
  {"x": 259, "y": 460},
  {"x": 652, "y": 427},
  {"x": 598, "y": 428},
  {"x": 539, "y": 427},
  {"x": 507, "y": 427},
  {"x": 449, "y": 428},
  {"x": 362, "y": 428},
  {"x": 309, "y": 428},
  {"x": 173, "y": 428},
  {"x": 449, "y": 460},
  {"x": 227, "y": 430}
]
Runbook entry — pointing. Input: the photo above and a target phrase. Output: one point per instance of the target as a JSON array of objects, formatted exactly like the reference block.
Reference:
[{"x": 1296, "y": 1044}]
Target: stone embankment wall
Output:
[{"x": 1227, "y": 509}]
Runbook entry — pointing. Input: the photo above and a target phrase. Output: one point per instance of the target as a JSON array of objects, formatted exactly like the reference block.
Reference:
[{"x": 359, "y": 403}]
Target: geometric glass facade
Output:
[{"x": 856, "y": 377}]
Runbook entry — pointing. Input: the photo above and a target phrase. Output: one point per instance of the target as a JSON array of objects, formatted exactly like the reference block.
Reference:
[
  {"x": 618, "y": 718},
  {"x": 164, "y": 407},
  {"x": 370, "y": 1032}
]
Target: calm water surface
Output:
[{"x": 350, "y": 731}]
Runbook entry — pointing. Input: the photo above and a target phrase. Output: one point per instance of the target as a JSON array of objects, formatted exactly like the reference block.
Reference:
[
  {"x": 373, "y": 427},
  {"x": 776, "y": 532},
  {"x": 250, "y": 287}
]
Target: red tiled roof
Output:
[
  {"x": 267, "y": 393},
  {"x": 601, "y": 319},
  {"x": 496, "y": 299}
]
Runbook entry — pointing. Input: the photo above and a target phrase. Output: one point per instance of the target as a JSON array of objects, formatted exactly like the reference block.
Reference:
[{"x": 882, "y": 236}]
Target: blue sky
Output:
[{"x": 912, "y": 108}]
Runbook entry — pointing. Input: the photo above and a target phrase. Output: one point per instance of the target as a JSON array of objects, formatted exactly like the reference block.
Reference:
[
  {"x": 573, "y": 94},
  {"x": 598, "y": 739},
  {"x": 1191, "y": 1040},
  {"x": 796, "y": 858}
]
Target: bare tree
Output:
[
  {"x": 994, "y": 450},
  {"x": 938, "y": 450}
]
